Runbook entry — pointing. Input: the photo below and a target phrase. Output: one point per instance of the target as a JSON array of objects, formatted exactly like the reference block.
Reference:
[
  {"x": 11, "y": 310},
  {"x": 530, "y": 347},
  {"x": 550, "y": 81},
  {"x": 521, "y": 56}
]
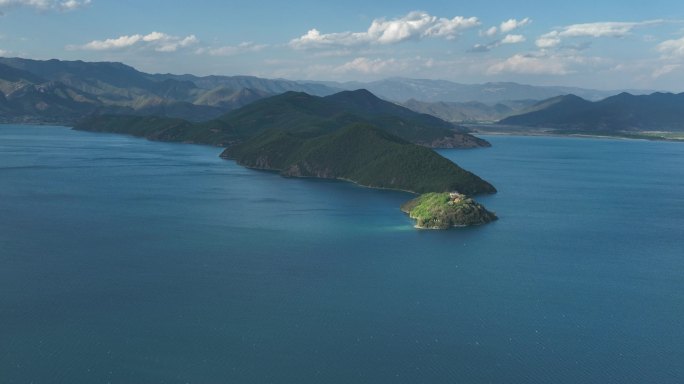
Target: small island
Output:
[{"x": 446, "y": 210}]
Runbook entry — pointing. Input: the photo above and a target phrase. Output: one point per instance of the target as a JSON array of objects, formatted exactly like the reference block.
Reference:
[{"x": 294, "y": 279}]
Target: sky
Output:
[{"x": 591, "y": 44}]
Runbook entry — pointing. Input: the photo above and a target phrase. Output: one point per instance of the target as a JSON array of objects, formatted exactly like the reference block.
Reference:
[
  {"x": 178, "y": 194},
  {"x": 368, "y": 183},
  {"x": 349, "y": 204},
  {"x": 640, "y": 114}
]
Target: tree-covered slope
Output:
[
  {"x": 300, "y": 112},
  {"x": 160, "y": 128},
  {"x": 359, "y": 153},
  {"x": 446, "y": 210}
]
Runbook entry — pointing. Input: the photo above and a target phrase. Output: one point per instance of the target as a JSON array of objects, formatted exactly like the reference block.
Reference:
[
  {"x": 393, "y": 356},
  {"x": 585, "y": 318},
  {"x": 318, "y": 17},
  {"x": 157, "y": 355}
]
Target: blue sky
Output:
[{"x": 605, "y": 45}]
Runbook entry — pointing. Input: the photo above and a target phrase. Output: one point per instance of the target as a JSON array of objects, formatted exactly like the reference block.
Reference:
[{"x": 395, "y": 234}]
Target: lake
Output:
[{"x": 129, "y": 261}]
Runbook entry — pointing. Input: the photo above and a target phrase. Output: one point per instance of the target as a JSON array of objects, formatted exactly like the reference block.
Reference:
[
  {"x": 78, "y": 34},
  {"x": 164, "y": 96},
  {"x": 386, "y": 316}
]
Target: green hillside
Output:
[
  {"x": 359, "y": 153},
  {"x": 444, "y": 210},
  {"x": 160, "y": 128},
  {"x": 298, "y": 112}
]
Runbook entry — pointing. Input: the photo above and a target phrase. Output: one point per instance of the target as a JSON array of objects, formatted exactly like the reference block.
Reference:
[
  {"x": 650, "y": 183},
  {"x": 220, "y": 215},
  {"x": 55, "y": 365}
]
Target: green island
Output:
[{"x": 446, "y": 210}]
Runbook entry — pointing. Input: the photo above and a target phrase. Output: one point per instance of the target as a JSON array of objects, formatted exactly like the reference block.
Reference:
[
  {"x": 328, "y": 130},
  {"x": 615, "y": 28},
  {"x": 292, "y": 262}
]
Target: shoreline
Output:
[{"x": 524, "y": 131}]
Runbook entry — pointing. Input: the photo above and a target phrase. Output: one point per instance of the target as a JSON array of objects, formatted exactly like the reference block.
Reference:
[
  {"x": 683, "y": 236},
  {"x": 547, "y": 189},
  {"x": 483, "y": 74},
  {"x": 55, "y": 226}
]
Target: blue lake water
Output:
[{"x": 129, "y": 261}]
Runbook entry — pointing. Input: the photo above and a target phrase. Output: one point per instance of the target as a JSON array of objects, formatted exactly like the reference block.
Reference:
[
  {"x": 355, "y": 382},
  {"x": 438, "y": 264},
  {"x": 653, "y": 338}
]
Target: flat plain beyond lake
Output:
[{"x": 124, "y": 260}]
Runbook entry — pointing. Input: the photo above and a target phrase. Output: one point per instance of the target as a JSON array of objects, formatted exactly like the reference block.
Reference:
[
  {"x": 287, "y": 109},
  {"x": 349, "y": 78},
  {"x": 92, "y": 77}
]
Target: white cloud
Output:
[
  {"x": 604, "y": 29},
  {"x": 229, "y": 50},
  {"x": 45, "y": 5},
  {"x": 548, "y": 40},
  {"x": 508, "y": 39},
  {"x": 73, "y": 4},
  {"x": 529, "y": 64},
  {"x": 362, "y": 67},
  {"x": 108, "y": 44},
  {"x": 664, "y": 70},
  {"x": 511, "y": 24},
  {"x": 546, "y": 63},
  {"x": 450, "y": 28},
  {"x": 506, "y": 27},
  {"x": 370, "y": 66},
  {"x": 414, "y": 26},
  {"x": 595, "y": 30},
  {"x": 672, "y": 48},
  {"x": 492, "y": 31},
  {"x": 513, "y": 39},
  {"x": 157, "y": 41}
]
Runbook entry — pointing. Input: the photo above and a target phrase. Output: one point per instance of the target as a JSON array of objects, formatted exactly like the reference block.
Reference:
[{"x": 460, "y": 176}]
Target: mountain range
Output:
[
  {"x": 620, "y": 113},
  {"x": 469, "y": 111},
  {"x": 402, "y": 89},
  {"x": 58, "y": 91},
  {"x": 65, "y": 91}
]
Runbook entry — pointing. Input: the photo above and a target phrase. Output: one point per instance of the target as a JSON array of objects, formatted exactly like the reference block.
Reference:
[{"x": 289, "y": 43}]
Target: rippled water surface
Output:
[{"x": 129, "y": 261}]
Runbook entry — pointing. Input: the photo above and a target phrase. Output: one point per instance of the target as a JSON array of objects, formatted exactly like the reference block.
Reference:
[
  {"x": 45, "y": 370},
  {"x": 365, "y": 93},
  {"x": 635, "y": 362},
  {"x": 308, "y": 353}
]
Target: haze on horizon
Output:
[{"x": 611, "y": 45}]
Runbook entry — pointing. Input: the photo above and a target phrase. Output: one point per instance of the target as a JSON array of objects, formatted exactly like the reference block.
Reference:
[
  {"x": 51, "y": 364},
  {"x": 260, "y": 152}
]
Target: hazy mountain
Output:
[
  {"x": 401, "y": 89},
  {"x": 267, "y": 86},
  {"x": 623, "y": 112},
  {"x": 111, "y": 82},
  {"x": 229, "y": 98},
  {"x": 468, "y": 112},
  {"x": 28, "y": 97},
  {"x": 58, "y": 90},
  {"x": 118, "y": 88}
]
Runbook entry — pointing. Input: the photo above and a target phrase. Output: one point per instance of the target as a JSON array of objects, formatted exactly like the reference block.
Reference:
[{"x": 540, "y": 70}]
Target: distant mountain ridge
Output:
[
  {"x": 470, "y": 111},
  {"x": 624, "y": 112},
  {"x": 111, "y": 87},
  {"x": 401, "y": 89}
]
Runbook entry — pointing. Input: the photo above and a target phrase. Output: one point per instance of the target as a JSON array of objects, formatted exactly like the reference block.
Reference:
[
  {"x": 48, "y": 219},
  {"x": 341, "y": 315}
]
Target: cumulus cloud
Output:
[
  {"x": 506, "y": 27},
  {"x": 230, "y": 50},
  {"x": 513, "y": 39},
  {"x": 548, "y": 40},
  {"x": 157, "y": 41},
  {"x": 492, "y": 31},
  {"x": 414, "y": 26},
  {"x": 511, "y": 24},
  {"x": 600, "y": 29},
  {"x": 508, "y": 39},
  {"x": 45, "y": 5}
]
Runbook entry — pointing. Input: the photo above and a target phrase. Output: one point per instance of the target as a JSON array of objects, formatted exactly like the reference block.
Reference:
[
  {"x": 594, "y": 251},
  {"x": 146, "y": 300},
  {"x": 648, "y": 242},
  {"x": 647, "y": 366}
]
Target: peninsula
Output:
[{"x": 351, "y": 136}]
